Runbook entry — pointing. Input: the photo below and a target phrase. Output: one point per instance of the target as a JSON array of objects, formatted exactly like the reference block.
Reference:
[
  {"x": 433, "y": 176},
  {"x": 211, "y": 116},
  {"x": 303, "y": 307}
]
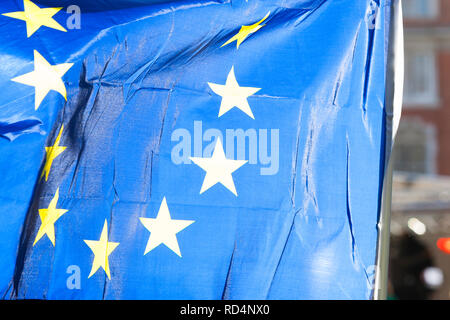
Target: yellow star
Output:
[
  {"x": 52, "y": 153},
  {"x": 101, "y": 249},
  {"x": 246, "y": 31},
  {"x": 44, "y": 78},
  {"x": 36, "y": 17},
  {"x": 48, "y": 218}
]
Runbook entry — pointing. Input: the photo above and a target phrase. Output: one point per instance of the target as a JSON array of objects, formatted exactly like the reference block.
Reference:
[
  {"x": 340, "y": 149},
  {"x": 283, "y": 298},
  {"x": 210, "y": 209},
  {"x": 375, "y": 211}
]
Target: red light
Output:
[{"x": 444, "y": 245}]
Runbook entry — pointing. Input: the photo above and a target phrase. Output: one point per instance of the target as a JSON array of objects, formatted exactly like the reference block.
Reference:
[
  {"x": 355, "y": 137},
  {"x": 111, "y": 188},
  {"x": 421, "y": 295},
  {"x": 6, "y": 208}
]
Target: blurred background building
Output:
[{"x": 421, "y": 188}]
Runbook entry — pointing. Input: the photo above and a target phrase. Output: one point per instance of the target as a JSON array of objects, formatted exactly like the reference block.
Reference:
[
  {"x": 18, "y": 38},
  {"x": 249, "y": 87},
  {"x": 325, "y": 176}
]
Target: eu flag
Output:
[{"x": 196, "y": 149}]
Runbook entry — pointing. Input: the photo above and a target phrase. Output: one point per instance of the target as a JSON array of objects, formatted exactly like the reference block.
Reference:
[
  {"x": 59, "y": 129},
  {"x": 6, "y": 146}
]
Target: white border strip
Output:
[{"x": 393, "y": 103}]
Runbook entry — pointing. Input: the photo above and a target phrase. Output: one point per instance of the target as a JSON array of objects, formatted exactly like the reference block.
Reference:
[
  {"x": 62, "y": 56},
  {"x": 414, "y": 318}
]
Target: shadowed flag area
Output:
[{"x": 191, "y": 149}]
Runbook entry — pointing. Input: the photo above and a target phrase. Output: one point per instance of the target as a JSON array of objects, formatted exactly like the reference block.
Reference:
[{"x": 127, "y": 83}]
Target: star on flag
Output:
[
  {"x": 44, "y": 78},
  {"x": 36, "y": 17},
  {"x": 51, "y": 153},
  {"x": 101, "y": 250},
  {"x": 218, "y": 169},
  {"x": 246, "y": 31},
  {"x": 48, "y": 217},
  {"x": 163, "y": 229},
  {"x": 233, "y": 95}
]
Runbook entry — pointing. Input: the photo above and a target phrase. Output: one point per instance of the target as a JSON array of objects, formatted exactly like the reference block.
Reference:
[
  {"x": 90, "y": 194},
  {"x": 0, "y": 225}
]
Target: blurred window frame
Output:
[
  {"x": 420, "y": 9},
  {"x": 407, "y": 139},
  {"x": 425, "y": 71}
]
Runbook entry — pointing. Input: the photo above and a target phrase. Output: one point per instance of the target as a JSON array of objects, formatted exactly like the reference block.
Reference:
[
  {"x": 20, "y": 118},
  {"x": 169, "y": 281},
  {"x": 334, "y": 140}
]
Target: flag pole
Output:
[{"x": 393, "y": 102}]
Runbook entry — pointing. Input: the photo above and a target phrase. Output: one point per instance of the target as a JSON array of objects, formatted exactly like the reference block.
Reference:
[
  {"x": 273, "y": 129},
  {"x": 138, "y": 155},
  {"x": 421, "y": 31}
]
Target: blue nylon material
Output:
[{"x": 141, "y": 71}]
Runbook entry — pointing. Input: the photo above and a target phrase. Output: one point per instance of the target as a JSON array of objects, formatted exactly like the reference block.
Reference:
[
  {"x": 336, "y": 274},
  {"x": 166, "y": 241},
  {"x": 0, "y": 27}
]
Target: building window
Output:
[
  {"x": 420, "y": 9},
  {"x": 415, "y": 147},
  {"x": 420, "y": 77}
]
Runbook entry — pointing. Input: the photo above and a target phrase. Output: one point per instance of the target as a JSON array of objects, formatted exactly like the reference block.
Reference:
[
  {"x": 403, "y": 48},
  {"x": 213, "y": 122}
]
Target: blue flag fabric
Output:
[{"x": 199, "y": 149}]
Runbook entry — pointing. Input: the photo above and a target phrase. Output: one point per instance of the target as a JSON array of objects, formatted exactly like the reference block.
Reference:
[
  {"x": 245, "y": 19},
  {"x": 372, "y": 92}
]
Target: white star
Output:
[
  {"x": 218, "y": 169},
  {"x": 163, "y": 229},
  {"x": 233, "y": 95},
  {"x": 44, "y": 78}
]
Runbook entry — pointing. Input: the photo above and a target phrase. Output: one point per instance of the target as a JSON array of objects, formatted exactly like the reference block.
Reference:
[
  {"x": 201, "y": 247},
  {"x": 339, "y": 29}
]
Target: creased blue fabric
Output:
[{"x": 302, "y": 228}]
